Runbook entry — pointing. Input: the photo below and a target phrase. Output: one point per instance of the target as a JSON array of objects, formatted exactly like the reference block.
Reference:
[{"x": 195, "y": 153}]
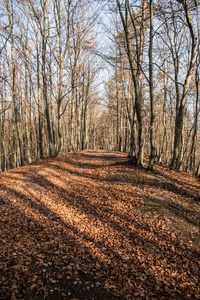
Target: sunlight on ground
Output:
[{"x": 62, "y": 215}]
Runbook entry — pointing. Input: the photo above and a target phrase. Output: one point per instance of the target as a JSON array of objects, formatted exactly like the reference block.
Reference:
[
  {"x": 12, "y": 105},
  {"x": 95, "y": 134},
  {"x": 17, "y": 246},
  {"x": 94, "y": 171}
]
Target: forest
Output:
[
  {"x": 78, "y": 74},
  {"x": 99, "y": 149}
]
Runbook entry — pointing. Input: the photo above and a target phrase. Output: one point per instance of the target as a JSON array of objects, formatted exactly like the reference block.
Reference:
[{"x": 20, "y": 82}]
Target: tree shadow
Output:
[
  {"x": 123, "y": 266},
  {"x": 173, "y": 181},
  {"x": 188, "y": 215},
  {"x": 168, "y": 183},
  {"x": 46, "y": 262},
  {"x": 118, "y": 252}
]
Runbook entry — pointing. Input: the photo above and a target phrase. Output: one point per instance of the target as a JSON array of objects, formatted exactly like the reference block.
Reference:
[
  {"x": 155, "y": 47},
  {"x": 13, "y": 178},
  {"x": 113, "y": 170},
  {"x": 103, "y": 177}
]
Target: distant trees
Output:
[
  {"x": 49, "y": 67},
  {"x": 182, "y": 101},
  {"x": 133, "y": 24},
  {"x": 47, "y": 70},
  {"x": 164, "y": 91}
]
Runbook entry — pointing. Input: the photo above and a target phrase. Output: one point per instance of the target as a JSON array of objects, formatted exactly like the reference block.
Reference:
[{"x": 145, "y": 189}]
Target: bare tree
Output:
[
  {"x": 9, "y": 7},
  {"x": 151, "y": 86},
  {"x": 127, "y": 18},
  {"x": 176, "y": 160}
]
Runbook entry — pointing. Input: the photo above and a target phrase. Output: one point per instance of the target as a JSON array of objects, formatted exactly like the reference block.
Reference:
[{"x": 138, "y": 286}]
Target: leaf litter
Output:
[{"x": 88, "y": 225}]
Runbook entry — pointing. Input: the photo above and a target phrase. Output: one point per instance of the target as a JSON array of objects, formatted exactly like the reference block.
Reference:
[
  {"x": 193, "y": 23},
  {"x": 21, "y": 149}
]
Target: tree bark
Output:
[
  {"x": 17, "y": 125},
  {"x": 40, "y": 123},
  {"x": 136, "y": 80},
  {"x": 176, "y": 159},
  {"x": 44, "y": 78},
  {"x": 152, "y": 123},
  {"x": 27, "y": 129}
]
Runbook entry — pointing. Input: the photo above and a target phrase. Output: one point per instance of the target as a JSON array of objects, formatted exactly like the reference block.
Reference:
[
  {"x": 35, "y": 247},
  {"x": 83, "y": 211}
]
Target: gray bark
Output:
[
  {"x": 152, "y": 123},
  {"x": 176, "y": 159}
]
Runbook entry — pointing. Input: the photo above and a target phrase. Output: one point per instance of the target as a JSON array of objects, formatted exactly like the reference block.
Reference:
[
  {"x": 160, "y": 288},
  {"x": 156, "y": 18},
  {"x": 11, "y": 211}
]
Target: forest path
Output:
[{"x": 89, "y": 226}]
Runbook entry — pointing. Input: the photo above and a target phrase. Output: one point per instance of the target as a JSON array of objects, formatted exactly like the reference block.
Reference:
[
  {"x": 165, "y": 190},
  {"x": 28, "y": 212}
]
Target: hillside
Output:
[{"x": 89, "y": 226}]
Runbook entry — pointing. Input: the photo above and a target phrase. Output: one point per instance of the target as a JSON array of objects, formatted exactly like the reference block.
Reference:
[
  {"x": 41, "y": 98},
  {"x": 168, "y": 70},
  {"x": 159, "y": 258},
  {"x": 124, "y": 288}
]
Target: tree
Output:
[
  {"x": 181, "y": 110},
  {"x": 152, "y": 123},
  {"x": 9, "y": 6},
  {"x": 135, "y": 68}
]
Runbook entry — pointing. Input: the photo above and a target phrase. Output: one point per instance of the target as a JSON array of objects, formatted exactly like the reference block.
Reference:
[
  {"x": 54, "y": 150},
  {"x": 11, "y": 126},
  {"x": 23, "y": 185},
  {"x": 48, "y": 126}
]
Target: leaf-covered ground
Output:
[{"x": 89, "y": 226}]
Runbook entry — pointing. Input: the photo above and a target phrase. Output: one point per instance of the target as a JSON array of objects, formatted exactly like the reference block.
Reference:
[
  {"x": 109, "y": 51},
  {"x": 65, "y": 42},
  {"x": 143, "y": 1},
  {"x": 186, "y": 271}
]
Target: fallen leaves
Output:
[{"x": 79, "y": 226}]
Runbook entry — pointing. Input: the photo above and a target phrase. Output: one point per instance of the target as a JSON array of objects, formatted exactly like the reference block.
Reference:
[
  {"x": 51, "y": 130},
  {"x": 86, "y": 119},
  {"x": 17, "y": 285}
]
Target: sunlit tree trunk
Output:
[
  {"x": 85, "y": 113},
  {"x": 163, "y": 151},
  {"x": 16, "y": 112},
  {"x": 176, "y": 159},
  {"x": 27, "y": 129},
  {"x": 51, "y": 88},
  {"x": 62, "y": 54},
  {"x": 135, "y": 72},
  {"x": 194, "y": 134},
  {"x": 40, "y": 122},
  {"x": 152, "y": 122},
  {"x": 3, "y": 129},
  {"x": 44, "y": 78}
]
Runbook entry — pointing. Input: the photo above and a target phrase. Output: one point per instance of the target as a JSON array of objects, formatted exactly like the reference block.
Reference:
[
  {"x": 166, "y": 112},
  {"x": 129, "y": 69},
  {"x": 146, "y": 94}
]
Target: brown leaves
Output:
[{"x": 67, "y": 231}]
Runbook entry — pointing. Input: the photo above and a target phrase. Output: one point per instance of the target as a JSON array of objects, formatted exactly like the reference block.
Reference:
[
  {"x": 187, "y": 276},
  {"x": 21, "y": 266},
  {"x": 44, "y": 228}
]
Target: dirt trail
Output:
[{"x": 89, "y": 226}]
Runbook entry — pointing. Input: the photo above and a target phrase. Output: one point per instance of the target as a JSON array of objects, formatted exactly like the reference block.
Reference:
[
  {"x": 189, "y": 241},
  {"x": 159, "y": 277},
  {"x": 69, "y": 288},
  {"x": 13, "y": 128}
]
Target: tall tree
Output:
[
  {"x": 9, "y": 7},
  {"x": 128, "y": 17},
  {"x": 180, "y": 117},
  {"x": 152, "y": 122}
]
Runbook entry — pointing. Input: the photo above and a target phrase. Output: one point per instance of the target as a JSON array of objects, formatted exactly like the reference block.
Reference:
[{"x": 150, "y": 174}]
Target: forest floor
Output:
[{"x": 89, "y": 226}]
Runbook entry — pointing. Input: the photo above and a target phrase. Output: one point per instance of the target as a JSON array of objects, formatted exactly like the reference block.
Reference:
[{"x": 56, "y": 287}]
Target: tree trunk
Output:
[
  {"x": 27, "y": 129},
  {"x": 136, "y": 79},
  {"x": 176, "y": 159},
  {"x": 17, "y": 125},
  {"x": 40, "y": 123},
  {"x": 44, "y": 79},
  {"x": 152, "y": 123}
]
